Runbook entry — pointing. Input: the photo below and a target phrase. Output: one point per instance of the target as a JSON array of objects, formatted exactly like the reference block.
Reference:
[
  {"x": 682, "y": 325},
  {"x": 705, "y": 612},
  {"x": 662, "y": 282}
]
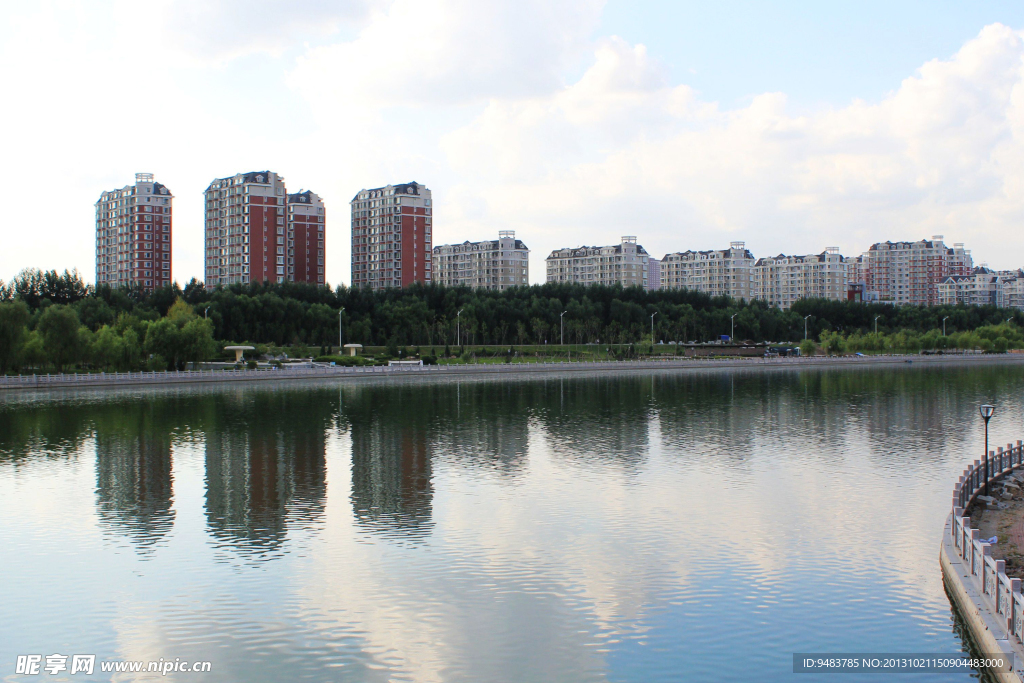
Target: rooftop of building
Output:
[
  {"x": 588, "y": 251},
  {"x": 412, "y": 188},
  {"x": 303, "y": 197},
  {"x": 493, "y": 244},
  {"x": 258, "y": 177}
]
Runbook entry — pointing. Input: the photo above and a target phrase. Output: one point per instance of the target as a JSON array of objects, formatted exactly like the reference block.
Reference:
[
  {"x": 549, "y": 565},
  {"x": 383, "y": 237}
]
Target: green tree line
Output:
[{"x": 298, "y": 313}]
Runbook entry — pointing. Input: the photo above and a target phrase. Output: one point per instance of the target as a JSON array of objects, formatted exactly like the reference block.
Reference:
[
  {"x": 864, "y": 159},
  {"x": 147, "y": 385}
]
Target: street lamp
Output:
[
  {"x": 652, "y": 330},
  {"x": 805, "y": 324},
  {"x": 876, "y": 324},
  {"x": 732, "y": 329},
  {"x": 458, "y": 327},
  {"x": 561, "y": 324},
  {"x": 986, "y": 414},
  {"x": 944, "y": 325},
  {"x": 341, "y": 337},
  {"x": 206, "y": 312}
]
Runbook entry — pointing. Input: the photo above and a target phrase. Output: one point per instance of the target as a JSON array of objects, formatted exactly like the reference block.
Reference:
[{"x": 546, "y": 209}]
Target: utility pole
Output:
[{"x": 341, "y": 331}]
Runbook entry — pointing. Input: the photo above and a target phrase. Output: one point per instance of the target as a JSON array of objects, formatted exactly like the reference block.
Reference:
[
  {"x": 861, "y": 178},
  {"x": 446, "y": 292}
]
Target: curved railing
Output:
[{"x": 1001, "y": 594}]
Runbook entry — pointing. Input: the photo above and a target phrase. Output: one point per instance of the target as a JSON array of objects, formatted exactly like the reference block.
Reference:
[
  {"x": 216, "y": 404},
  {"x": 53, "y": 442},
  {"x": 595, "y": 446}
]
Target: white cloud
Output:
[
  {"x": 622, "y": 151},
  {"x": 512, "y": 113},
  {"x": 449, "y": 52}
]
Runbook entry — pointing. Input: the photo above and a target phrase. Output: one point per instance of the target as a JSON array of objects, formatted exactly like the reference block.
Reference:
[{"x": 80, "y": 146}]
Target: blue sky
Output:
[
  {"x": 815, "y": 52},
  {"x": 792, "y": 127}
]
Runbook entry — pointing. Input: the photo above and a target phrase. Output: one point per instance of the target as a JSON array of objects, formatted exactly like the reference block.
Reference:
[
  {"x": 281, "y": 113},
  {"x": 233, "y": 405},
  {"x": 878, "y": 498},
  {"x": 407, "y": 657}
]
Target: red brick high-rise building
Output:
[
  {"x": 391, "y": 236},
  {"x": 133, "y": 235},
  {"x": 245, "y": 229},
  {"x": 306, "y": 237}
]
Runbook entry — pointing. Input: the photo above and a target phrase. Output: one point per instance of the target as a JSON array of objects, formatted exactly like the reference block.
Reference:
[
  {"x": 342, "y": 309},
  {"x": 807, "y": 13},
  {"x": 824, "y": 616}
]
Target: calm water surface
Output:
[{"x": 636, "y": 527}]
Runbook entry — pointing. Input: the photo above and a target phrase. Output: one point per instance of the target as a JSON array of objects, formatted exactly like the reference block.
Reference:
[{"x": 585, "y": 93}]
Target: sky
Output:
[{"x": 792, "y": 127}]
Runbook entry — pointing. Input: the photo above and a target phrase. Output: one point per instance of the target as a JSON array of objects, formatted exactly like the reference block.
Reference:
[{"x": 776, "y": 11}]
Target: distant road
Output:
[{"x": 121, "y": 379}]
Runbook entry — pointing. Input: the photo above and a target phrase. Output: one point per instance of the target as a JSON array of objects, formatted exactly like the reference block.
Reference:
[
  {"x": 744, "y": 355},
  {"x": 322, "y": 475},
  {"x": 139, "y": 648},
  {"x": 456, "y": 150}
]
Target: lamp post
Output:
[
  {"x": 458, "y": 327},
  {"x": 652, "y": 330},
  {"x": 944, "y": 325},
  {"x": 876, "y": 324},
  {"x": 561, "y": 325},
  {"x": 206, "y": 312},
  {"x": 986, "y": 414},
  {"x": 805, "y": 324},
  {"x": 341, "y": 336},
  {"x": 732, "y": 328}
]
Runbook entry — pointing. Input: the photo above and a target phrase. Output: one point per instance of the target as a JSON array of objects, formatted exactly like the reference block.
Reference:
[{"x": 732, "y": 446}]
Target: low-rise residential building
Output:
[
  {"x": 783, "y": 280},
  {"x": 620, "y": 264},
  {"x": 722, "y": 272},
  {"x": 491, "y": 264},
  {"x": 984, "y": 287}
]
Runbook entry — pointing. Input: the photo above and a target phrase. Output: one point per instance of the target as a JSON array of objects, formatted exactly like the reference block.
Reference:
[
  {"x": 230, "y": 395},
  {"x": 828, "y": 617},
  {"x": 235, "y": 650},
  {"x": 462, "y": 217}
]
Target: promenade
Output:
[{"x": 118, "y": 379}]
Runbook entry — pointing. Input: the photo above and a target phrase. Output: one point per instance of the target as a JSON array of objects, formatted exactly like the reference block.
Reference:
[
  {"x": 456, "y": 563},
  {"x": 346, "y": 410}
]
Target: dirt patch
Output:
[{"x": 1005, "y": 520}]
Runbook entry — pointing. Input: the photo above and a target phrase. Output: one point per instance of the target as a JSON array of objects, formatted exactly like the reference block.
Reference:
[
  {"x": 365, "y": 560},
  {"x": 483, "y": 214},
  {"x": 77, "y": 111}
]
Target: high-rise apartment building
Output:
[
  {"x": 391, "y": 229},
  {"x": 491, "y": 264},
  {"x": 721, "y": 272},
  {"x": 133, "y": 235},
  {"x": 306, "y": 238},
  {"x": 653, "y": 275},
  {"x": 619, "y": 264},
  {"x": 783, "y": 280},
  {"x": 910, "y": 272},
  {"x": 246, "y": 238}
]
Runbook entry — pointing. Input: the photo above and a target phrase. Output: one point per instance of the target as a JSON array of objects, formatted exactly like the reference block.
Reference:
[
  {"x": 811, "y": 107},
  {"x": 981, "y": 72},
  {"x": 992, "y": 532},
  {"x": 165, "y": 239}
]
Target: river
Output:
[{"x": 646, "y": 526}]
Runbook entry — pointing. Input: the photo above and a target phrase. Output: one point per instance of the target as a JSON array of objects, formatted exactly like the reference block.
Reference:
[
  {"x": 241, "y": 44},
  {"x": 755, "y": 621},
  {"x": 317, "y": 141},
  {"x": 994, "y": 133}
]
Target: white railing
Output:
[{"x": 1001, "y": 593}]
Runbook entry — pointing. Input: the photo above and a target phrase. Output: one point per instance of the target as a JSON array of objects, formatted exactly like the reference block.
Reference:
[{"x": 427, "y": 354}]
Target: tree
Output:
[
  {"x": 58, "y": 326},
  {"x": 14, "y": 317},
  {"x": 808, "y": 347}
]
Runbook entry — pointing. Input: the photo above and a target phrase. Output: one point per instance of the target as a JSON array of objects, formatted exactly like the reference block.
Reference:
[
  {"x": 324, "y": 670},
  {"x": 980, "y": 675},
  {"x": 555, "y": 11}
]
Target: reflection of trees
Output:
[
  {"x": 42, "y": 429},
  {"x": 599, "y": 419},
  {"x": 265, "y": 465},
  {"x": 483, "y": 425}
]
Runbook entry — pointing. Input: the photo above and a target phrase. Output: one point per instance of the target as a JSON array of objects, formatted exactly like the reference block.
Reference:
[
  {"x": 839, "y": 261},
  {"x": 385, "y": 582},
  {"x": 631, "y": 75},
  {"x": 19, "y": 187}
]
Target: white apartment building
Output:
[
  {"x": 783, "y": 280},
  {"x": 722, "y": 272},
  {"x": 623, "y": 264},
  {"x": 910, "y": 272},
  {"x": 984, "y": 287},
  {"x": 491, "y": 264}
]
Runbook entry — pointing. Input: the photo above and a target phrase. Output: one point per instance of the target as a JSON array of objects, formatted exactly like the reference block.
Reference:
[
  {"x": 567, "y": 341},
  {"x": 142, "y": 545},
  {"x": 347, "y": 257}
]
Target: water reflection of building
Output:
[
  {"x": 266, "y": 468},
  {"x": 133, "y": 474},
  {"x": 392, "y": 491}
]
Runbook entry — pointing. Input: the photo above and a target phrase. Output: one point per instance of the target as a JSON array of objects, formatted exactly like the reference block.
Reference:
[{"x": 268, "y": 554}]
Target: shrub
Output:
[
  {"x": 156, "y": 363},
  {"x": 251, "y": 365}
]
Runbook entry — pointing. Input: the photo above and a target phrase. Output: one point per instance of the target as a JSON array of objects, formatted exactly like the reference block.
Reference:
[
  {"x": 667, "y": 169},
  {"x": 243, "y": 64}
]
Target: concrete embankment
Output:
[
  {"x": 493, "y": 369},
  {"x": 989, "y": 600}
]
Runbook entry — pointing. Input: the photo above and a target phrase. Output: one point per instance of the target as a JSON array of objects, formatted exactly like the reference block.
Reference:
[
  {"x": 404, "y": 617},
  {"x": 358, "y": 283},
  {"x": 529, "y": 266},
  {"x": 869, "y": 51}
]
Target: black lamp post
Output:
[{"x": 986, "y": 414}]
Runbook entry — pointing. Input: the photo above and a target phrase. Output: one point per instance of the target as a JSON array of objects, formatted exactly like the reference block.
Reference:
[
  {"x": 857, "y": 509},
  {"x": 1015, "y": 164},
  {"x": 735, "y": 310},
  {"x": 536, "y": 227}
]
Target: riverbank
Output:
[{"x": 30, "y": 382}]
